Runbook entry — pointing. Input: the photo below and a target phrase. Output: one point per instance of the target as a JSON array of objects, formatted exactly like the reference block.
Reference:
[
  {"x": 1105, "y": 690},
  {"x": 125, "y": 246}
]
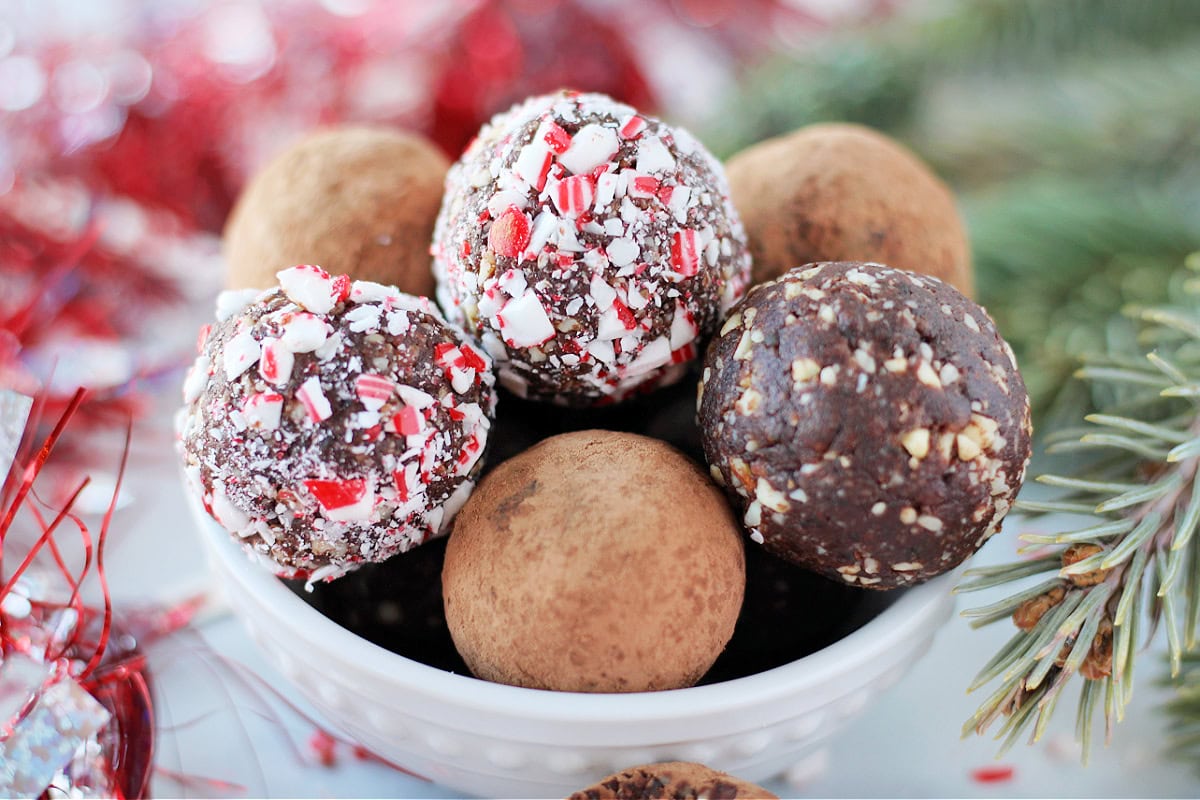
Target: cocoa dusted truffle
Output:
[
  {"x": 870, "y": 422},
  {"x": 328, "y": 423},
  {"x": 590, "y": 247},
  {"x": 672, "y": 780},
  {"x": 358, "y": 201},
  {"x": 594, "y": 562},
  {"x": 837, "y": 192}
]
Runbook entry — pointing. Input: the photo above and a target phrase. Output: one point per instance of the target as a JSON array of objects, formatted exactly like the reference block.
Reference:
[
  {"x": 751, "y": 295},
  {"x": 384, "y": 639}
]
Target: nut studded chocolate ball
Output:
[
  {"x": 594, "y": 562},
  {"x": 870, "y": 422},
  {"x": 589, "y": 246},
  {"x": 330, "y": 423},
  {"x": 837, "y": 192},
  {"x": 676, "y": 780}
]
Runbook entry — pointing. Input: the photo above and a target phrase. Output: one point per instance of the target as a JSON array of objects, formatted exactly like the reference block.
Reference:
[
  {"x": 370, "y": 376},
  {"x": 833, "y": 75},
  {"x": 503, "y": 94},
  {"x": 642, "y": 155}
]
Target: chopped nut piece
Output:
[
  {"x": 748, "y": 403},
  {"x": 968, "y": 448},
  {"x": 743, "y": 348},
  {"x": 927, "y": 376},
  {"x": 930, "y": 523},
  {"x": 741, "y": 472},
  {"x": 804, "y": 369},
  {"x": 916, "y": 442}
]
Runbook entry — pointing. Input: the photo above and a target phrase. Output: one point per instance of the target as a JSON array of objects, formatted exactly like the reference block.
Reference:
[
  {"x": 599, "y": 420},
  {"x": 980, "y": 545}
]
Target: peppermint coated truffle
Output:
[
  {"x": 594, "y": 562},
  {"x": 357, "y": 201},
  {"x": 836, "y": 192},
  {"x": 870, "y": 423},
  {"x": 328, "y": 423},
  {"x": 589, "y": 246},
  {"x": 672, "y": 780}
]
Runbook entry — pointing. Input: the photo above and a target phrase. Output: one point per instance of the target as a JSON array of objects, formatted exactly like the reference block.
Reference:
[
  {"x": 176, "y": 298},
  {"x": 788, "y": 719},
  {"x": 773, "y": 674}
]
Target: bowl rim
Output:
[{"x": 889, "y": 631}]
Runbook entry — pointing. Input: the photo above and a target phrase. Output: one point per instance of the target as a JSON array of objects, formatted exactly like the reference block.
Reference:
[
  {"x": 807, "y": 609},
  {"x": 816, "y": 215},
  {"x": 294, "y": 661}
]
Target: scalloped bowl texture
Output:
[{"x": 495, "y": 740}]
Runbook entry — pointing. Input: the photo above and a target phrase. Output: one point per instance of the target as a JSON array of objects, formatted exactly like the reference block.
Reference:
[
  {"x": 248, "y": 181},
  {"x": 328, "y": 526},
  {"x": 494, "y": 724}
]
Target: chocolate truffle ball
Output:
[
  {"x": 870, "y": 422},
  {"x": 330, "y": 423},
  {"x": 594, "y": 562},
  {"x": 590, "y": 247},
  {"x": 838, "y": 192},
  {"x": 676, "y": 780},
  {"x": 357, "y": 201}
]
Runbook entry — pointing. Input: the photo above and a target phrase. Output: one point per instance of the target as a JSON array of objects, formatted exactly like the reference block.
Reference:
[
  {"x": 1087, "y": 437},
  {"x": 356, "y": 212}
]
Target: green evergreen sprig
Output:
[
  {"x": 1133, "y": 566},
  {"x": 1183, "y": 731}
]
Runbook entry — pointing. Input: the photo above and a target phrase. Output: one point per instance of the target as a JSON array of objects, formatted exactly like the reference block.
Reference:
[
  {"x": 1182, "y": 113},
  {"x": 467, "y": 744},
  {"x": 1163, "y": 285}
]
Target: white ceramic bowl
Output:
[{"x": 491, "y": 739}]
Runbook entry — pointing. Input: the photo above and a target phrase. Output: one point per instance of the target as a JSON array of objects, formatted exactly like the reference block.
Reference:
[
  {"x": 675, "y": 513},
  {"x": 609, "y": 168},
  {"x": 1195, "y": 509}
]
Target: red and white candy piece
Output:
[
  {"x": 414, "y": 397},
  {"x": 642, "y": 187},
  {"x": 509, "y": 234},
  {"x": 304, "y": 333},
  {"x": 601, "y": 292},
  {"x": 685, "y": 255},
  {"x": 632, "y": 127},
  {"x": 683, "y": 327},
  {"x": 313, "y": 398},
  {"x": 533, "y": 163},
  {"x": 575, "y": 195},
  {"x": 349, "y": 500},
  {"x": 523, "y": 322},
  {"x": 606, "y": 190},
  {"x": 408, "y": 421},
  {"x": 654, "y": 355},
  {"x": 225, "y": 512},
  {"x": 602, "y": 350},
  {"x": 275, "y": 364},
  {"x": 407, "y": 481},
  {"x": 592, "y": 145},
  {"x": 202, "y": 337},
  {"x": 554, "y": 136},
  {"x": 623, "y": 251},
  {"x": 653, "y": 156},
  {"x": 462, "y": 364},
  {"x": 371, "y": 292},
  {"x": 615, "y": 321},
  {"x": 677, "y": 200},
  {"x": 464, "y": 357},
  {"x": 373, "y": 390},
  {"x": 241, "y": 351},
  {"x": 263, "y": 411},
  {"x": 312, "y": 288},
  {"x": 231, "y": 302},
  {"x": 472, "y": 448}
]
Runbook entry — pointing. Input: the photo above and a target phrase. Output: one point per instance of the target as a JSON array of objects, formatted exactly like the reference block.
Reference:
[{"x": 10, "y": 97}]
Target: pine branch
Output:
[
  {"x": 1183, "y": 730},
  {"x": 1134, "y": 566}
]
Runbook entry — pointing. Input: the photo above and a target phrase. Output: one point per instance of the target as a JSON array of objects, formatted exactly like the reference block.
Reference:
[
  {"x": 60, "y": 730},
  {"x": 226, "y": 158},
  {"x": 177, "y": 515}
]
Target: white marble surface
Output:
[{"x": 227, "y": 727}]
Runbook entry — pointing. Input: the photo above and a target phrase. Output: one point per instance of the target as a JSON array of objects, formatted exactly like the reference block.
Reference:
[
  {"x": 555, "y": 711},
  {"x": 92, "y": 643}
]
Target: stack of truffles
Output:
[{"x": 860, "y": 416}]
